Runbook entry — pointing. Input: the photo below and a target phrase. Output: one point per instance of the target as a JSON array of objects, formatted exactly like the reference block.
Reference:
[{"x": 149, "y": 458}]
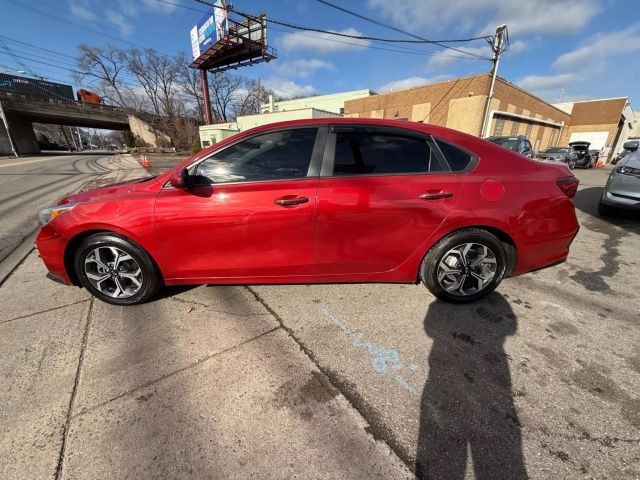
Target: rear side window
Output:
[
  {"x": 363, "y": 153},
  {"x": 457, "y": 158}
]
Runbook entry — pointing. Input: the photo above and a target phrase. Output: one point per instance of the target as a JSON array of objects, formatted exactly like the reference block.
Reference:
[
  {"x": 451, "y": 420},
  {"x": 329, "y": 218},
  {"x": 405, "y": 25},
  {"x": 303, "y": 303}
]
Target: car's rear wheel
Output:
[
  {"x": 464, "y": 266},
  {"x": 116, "y": 270}
]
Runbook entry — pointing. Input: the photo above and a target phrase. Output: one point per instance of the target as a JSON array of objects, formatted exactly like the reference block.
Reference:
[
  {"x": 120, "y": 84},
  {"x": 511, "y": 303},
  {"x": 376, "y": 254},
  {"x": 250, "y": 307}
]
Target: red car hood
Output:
[{"x": 106, "y": 193}]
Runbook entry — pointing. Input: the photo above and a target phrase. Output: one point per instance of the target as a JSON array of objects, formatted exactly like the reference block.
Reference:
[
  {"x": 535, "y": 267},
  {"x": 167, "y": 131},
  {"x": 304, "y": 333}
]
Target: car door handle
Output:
[
  {"x": 435, "y": 195},
  {"x": 290, "y": 200}
]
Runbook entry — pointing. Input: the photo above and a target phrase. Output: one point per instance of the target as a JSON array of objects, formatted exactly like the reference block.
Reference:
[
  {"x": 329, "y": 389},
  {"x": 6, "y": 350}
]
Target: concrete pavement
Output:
[{"x": 540, "y": 379}]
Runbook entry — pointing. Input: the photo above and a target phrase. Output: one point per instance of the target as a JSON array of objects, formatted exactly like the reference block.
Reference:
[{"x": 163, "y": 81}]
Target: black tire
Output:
[
  {"x": 149, "y": 278},
  {"x": 605, "y": 210},
  {"x": 430, "y": 264}
]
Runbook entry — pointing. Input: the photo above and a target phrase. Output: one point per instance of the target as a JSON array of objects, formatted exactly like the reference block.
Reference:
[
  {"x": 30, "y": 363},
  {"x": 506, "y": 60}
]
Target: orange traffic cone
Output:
[{"x": 143, "y": 160}]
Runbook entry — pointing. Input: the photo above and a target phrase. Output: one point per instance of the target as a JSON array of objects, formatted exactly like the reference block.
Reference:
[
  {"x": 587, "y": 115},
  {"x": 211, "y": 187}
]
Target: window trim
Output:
[
  {"x": 328, "y": 158},
  {"x": 473, "y": 163},
  {"x": 314, "y": 165}
]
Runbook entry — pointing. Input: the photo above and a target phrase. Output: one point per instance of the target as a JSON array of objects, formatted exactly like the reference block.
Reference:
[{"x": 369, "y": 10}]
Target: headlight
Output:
[
  {"x": 628, "y": 170},
  {"x": 50, "y": 213}
]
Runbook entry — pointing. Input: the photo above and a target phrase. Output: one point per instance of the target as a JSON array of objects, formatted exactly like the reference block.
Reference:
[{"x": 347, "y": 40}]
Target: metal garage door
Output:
[{"x": 597, "y": 139}]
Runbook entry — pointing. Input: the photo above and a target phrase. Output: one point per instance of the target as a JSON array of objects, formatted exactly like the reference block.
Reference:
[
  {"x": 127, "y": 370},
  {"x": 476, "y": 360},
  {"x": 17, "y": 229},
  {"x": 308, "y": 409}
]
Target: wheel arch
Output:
[
  {"x": 507, "y": 240},
  {"x": 76, "y": 240}
]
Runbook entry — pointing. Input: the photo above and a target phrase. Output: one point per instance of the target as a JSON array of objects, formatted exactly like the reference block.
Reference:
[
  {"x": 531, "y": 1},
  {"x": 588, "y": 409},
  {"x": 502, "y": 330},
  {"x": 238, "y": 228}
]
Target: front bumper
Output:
[
  {"x": 620, "y": 201},
  {"x": 51, "y": 246}
]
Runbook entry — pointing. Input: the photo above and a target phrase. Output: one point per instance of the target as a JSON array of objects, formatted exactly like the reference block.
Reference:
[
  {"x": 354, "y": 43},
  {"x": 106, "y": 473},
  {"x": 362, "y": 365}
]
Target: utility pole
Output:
[
  {"x": 206, "y": 100},
  {"x": 497, "y": 50}
]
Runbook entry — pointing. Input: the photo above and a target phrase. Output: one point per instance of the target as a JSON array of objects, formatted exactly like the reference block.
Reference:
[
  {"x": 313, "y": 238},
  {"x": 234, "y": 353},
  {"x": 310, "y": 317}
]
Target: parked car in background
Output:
[
  {"x": 558, "y": 154},
  {"x": 579, "y": 155},
  {"x": 623, "y": 153},
  {"x": 320, "y": 201},
  {"x": 622, "y": 190},
  {"x": 519, "y": 144}
]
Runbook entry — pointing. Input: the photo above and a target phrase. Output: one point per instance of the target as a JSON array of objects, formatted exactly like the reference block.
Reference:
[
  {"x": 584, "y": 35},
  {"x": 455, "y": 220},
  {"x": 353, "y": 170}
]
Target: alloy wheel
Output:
[
  {"x": 467, "y": 269},
  {"x": 113, "y": 272}
]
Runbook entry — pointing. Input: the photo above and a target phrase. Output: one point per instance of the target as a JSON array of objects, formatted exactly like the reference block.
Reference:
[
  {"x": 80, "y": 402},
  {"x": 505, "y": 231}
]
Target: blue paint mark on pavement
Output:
[{"x": 383, "y": 359}]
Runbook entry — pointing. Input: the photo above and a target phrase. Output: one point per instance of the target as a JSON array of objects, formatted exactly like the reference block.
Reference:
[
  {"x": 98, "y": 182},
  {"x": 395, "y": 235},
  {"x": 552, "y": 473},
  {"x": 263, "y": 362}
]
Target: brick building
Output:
[
  {"x": 606, "y": 122},
  {"x": 460, "y": 104}
]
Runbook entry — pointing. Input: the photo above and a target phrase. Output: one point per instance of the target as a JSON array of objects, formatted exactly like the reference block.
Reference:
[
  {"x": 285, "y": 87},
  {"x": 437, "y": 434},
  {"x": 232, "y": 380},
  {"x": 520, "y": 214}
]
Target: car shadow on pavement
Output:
[
  {"x": 586, "y": 200},
  {"x": 467, "y": 404}
]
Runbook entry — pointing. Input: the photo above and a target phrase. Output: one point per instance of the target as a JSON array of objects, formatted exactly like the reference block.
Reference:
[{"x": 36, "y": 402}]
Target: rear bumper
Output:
[
  {"x": 548, "y": 246},
  {"x": 51, "y": 246}
]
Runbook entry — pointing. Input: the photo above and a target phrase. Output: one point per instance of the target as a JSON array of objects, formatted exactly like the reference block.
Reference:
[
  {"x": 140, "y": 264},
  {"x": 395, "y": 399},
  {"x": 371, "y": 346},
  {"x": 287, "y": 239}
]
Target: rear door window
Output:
[{"x": 373, "y": 153}]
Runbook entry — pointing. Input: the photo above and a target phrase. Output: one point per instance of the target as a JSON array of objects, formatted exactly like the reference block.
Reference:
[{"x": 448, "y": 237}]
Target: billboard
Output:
[
  {"x": 211, "y": 28},
  {"x": 33, "y": 86}
]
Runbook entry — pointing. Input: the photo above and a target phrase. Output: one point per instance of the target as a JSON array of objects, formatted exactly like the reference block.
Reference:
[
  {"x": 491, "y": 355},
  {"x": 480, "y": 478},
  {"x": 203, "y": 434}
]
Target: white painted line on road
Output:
[{"x": 16, "y": 164}]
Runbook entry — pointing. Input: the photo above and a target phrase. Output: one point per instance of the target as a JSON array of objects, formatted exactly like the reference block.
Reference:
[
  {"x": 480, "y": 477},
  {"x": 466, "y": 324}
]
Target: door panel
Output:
[
  {"x": 374, "y": 223},
  {"x": 238, "y": 230}
]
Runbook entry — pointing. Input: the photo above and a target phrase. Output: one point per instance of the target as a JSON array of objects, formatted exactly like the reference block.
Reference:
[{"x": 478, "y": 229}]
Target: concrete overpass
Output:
[{"x": 21, "y": 110}]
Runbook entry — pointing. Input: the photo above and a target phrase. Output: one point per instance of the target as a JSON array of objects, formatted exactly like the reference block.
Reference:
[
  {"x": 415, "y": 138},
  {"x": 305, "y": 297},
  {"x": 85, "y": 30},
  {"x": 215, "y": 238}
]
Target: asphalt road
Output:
[
  {"x": 541, "y": 379},
  {"x": 31, "y": 183}
]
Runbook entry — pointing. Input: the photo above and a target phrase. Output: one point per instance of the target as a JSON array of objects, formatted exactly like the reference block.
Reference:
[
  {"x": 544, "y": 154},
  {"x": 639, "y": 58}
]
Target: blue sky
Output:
[{"x": 576, "y": 49}]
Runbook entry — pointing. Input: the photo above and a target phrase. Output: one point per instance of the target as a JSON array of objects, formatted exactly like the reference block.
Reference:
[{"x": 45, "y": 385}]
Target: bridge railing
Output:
[{"x": 24, "y": 97}]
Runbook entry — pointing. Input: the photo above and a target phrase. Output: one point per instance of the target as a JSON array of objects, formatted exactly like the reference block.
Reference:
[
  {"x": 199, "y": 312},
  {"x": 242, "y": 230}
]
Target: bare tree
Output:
[
  {"x": 224, "y": 90},
  {"x": 189, "y": 83},
  {"x": 106, "y": 66}
]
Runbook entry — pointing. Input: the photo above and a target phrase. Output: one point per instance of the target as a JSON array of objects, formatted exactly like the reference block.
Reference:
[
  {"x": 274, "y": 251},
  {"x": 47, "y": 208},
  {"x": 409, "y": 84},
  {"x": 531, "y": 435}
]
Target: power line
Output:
[
  {"x": 440, "y": 43},
  {"x": 50, "y": 15},
  {"x": 397, "y": 49}
]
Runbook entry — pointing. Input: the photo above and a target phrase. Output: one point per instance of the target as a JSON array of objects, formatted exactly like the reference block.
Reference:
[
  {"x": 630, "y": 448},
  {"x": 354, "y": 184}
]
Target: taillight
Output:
[{"x": 569, "y": 186}]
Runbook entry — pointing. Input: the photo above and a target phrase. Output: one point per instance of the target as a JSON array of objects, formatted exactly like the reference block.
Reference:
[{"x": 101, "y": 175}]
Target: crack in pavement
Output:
[
  {"x": 376, "y": 427},
  {"x": 74, "y": 392},
  {"x": 173, "y": 373},
  {"x": 44, "y": 311},
  {"x": 208, "y": 307}
]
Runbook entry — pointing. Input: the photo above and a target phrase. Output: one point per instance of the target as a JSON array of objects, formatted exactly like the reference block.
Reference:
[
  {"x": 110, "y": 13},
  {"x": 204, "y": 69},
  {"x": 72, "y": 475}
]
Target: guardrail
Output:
[{"x": 10, "y": 94}]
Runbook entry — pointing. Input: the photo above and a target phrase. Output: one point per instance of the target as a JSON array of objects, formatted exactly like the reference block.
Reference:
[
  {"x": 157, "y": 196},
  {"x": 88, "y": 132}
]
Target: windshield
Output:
[
  {"x": 556, "y": 150},
  {"x": 506, "y": 142}
]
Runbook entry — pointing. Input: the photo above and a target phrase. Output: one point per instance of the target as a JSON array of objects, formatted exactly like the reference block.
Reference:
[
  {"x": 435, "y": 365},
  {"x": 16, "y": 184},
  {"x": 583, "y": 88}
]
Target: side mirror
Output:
[
  {"x": 631, "y": 145},
  {"x": 181, "y": 179}
]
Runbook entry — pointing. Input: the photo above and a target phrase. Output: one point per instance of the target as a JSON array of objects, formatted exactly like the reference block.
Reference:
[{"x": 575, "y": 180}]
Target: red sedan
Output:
[{"x": 320, "y": 201}]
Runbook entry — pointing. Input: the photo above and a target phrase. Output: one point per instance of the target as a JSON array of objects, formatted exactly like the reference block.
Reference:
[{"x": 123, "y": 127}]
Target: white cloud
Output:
[
  {"x": 82, "y": 11},
  {"x": 411, "y": 82},
  {"x": 446, "y": 58},
  {"x": 322, "y": 42},
  {"x": 302, "y": 67},
  {"x": 523, "y": 17},
  {"x": 600, "y": 48},
  {"x": 120, "y": 21},
  {"x": 288, "y": 89},
  {"x": 550, "y": 82}
]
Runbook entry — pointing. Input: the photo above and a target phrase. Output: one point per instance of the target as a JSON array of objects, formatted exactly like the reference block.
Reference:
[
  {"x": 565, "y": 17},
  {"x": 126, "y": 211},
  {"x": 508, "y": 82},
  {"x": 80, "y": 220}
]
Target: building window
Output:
[
  {"x": 342, "y": 111},
  {"x": 514, "y": 128},
  {"x": 497, "y": 130}
]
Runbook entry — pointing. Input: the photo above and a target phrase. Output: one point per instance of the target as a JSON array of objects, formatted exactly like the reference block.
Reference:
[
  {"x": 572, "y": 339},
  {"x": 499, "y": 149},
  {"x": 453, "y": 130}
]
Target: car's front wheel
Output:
[
  {"x": 464, "y": 266},
  {"x": 116, "y": 270},
  {"x": 606, "y": 210}
]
